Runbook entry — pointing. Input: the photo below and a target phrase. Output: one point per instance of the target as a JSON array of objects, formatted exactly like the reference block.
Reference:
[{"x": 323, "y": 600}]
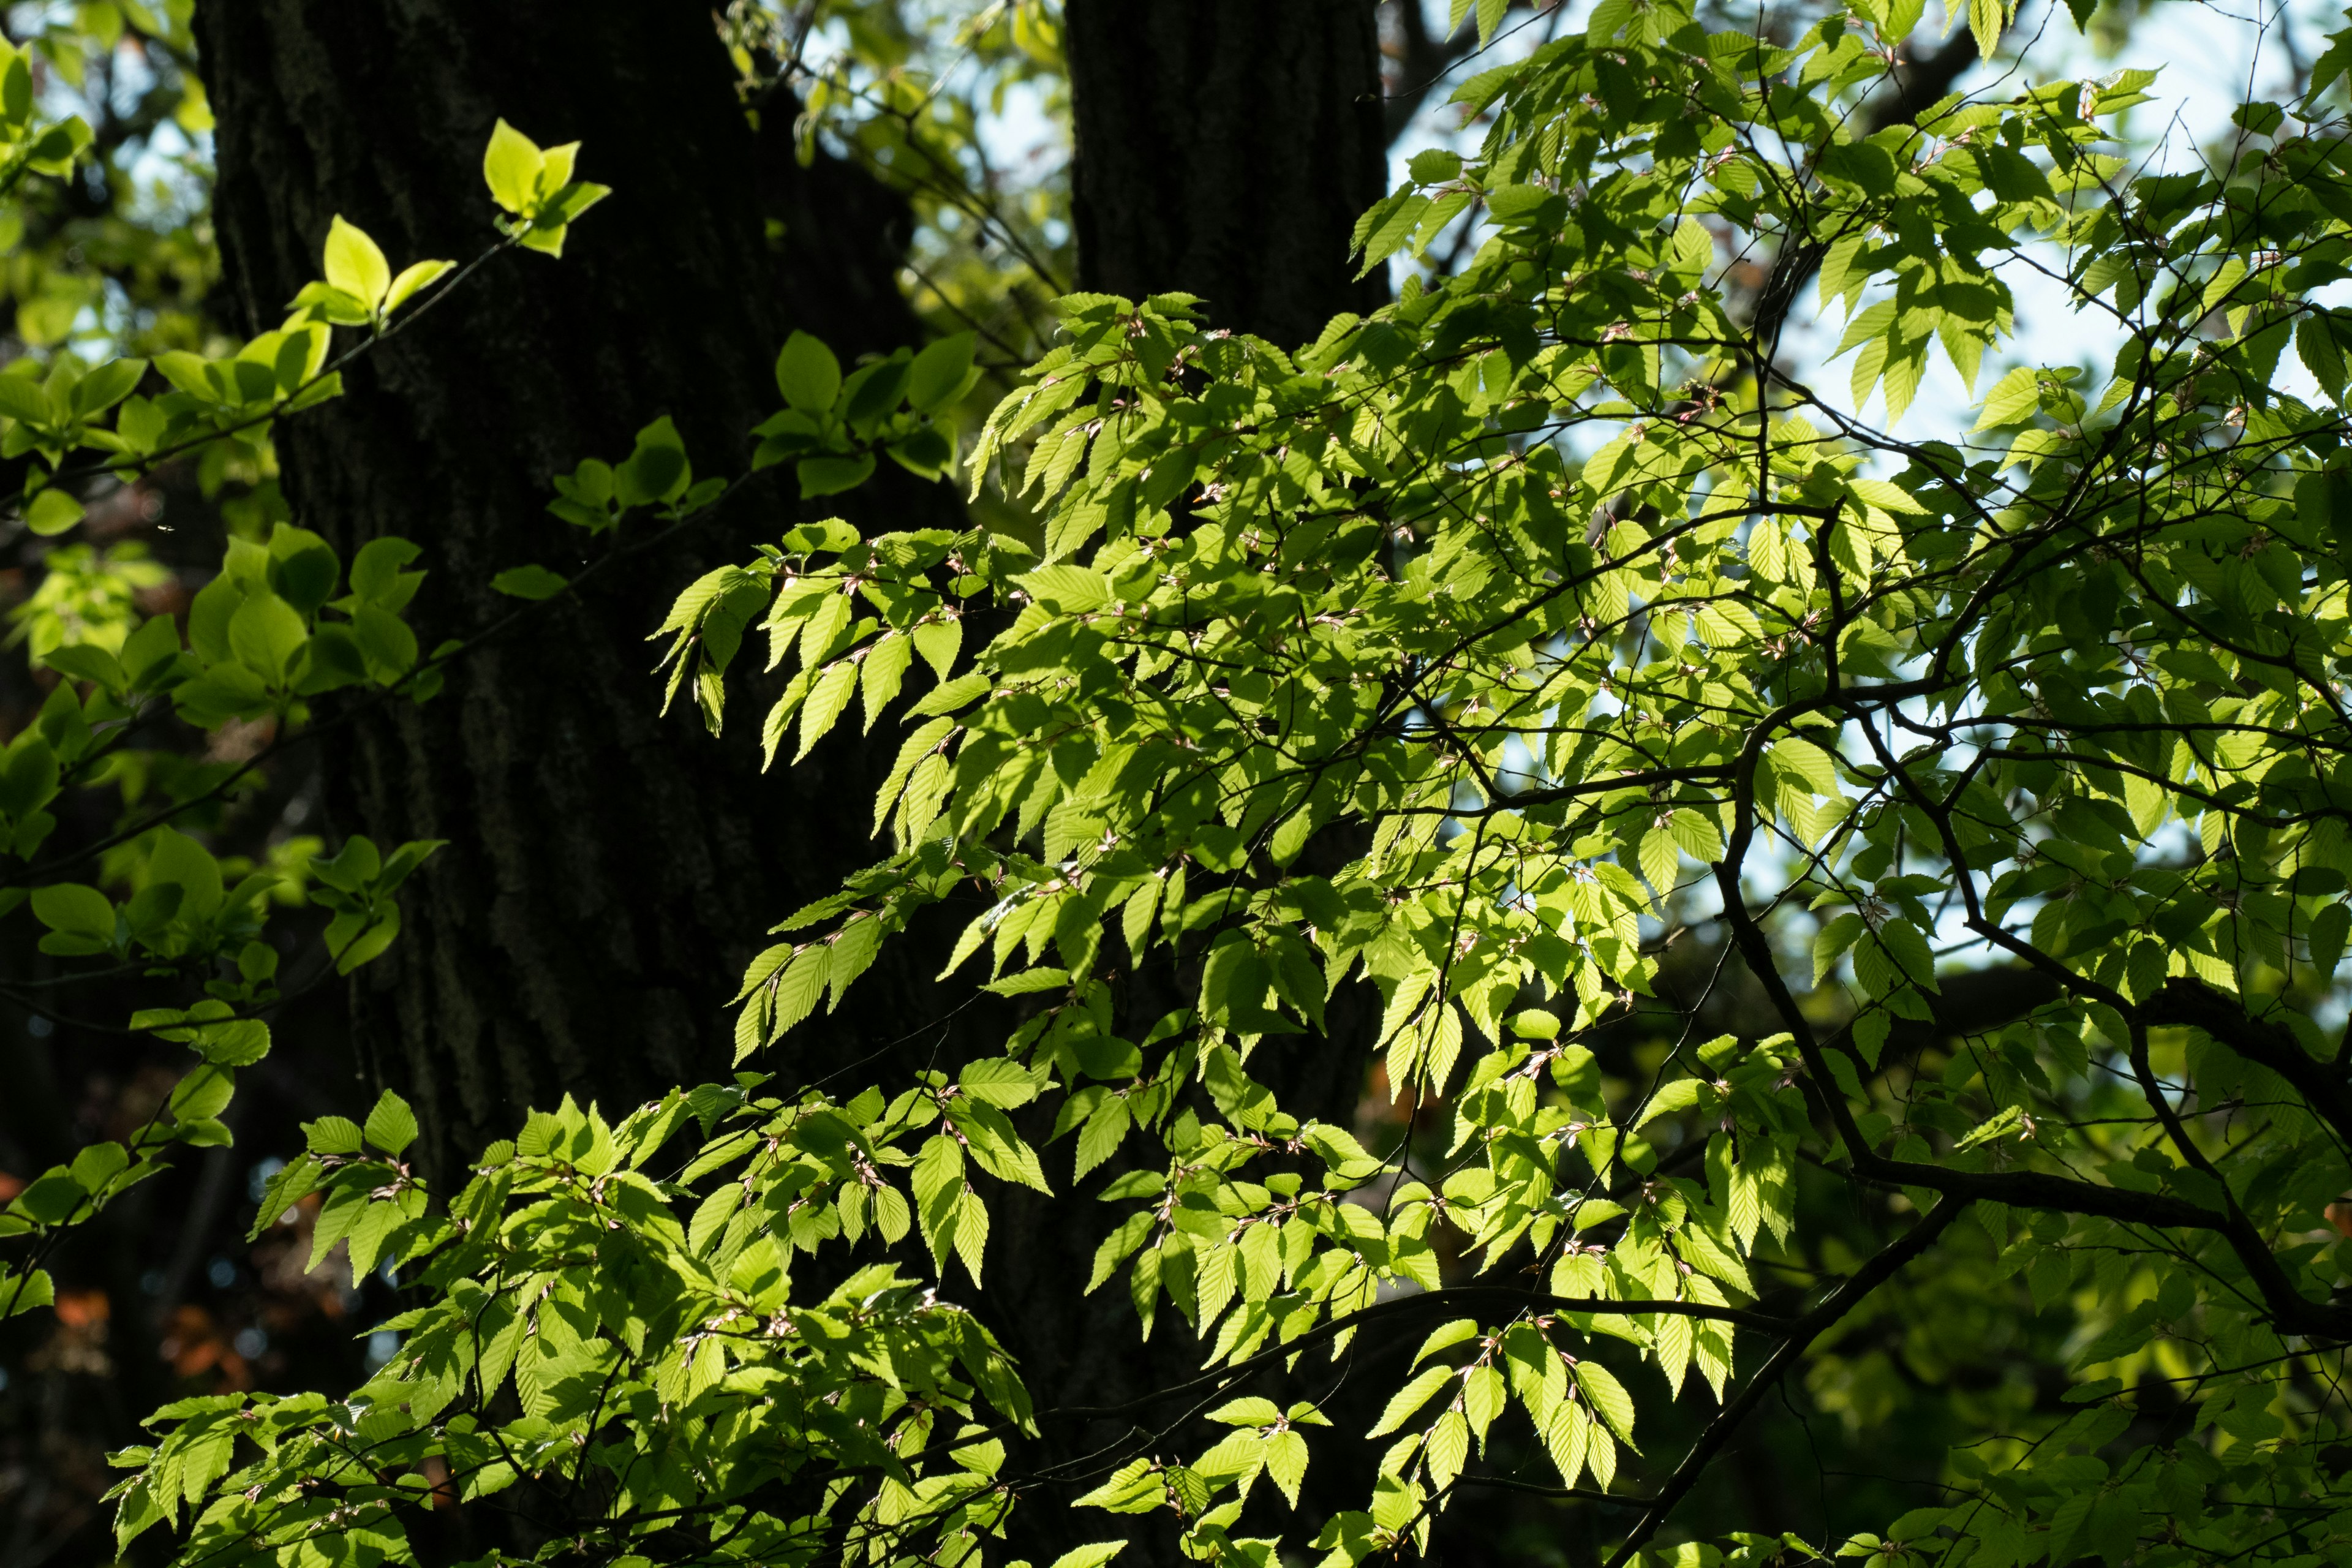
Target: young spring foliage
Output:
[
  {"x": 282, "y": 626},
  {"x": 631, "y": 1340},
  {"x": 1395, "y": 698}
]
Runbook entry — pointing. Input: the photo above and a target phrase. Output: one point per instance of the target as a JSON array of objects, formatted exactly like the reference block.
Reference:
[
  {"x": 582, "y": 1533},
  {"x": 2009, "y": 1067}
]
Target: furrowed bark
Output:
[
  {"x": 1226, "y": 149},
  {"x": 609, "y": 870}
]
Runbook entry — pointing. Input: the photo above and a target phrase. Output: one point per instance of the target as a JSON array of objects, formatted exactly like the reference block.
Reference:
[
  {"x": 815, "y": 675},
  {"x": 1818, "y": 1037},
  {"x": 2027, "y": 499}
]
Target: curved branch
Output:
[
  {"x": 2325, "y": 1085},
  {"x": 1918, "y": 86},
  {"x": 1421, "y": 62},
  {"x": 1422, "y": 1301},
  {"x": 1802, "y": 1334},
  {"x": 2292, "y": 1312}
]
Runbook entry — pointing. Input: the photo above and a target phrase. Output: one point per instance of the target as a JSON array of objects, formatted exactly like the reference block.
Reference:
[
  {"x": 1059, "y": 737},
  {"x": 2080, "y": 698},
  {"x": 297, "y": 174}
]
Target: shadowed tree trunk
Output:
[
  {"x": 608, "y": 871},
  {"x": 1225, "y": 148}
]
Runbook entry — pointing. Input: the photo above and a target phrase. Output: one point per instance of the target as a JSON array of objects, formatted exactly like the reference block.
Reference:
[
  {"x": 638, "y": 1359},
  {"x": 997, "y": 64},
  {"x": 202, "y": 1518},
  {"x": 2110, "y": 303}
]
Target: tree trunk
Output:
[
  {"x": 1225, "y": 148},
  {"x": 608, "y": 871}
]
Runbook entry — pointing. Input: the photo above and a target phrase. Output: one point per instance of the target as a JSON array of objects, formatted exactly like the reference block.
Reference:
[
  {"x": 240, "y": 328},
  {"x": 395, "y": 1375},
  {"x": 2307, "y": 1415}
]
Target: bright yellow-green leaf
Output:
[
  {"x": 355, "y": 264},
  {"x": 512, "y": 166},
  {"x": 415, "y": 277}
]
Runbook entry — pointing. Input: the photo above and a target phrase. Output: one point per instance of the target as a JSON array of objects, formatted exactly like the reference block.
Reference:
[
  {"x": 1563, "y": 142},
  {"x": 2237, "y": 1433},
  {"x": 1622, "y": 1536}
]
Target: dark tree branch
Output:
[
  {"x": 1421, "y": 61},
  {"x": 1918, "y": 85},
  {"x": 1802, "y": 1334},
  {"x": 2326, "y": 1086},
  {"x": 2292, "y": 1312}
]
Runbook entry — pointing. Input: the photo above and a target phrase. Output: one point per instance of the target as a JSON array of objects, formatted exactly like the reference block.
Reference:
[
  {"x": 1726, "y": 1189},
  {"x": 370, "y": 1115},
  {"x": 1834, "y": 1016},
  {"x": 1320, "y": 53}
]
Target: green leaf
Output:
[
  {"x": 1067, "y": 590},
  {"x": 52, "y": 513},
  {"x": 1286, "y": 1463},
  {"x": 830, "y": 476},
  {"x": 938, "y": 642},
  {"x": 16, "y": 89},
  {"x": 85, "y": 661},
  {"x": 1135, "y": 1487},
  {"x": 1535, "y": 1024},
  {"x": 657, "y": 468},
  {"x": 512, "y": 166},
  {"x": 179, "y": 860},
  {"x": 355, "y": 264},
  {"x": 74, "y": 909},
  {"x": 1391, "y": 224},
  {"x": 332, "y": 1135},
  {"x": 2008, "y": 1120},
  {"x": 1985, "y": 19},
  {"x": 303, "y": 569},
  {"x": 1608, "y": 1398},
  {"x": 376, "y": 574},
  {"x": 1434, "y": 166},
  {"x": 939, "y": 374},
  {"x": 1092, "y": 1555},
  {"x": 21, "y": 396},
  {"x": 1030, "y": 982},
  {"x": 390, "y": 1125},
  {"x": 1808, "y": 763},
  {"x": 386, "y": 641},
  {"x": 1448, "y": 1448},
  {"x": 533, "y": 582},
  {"x": 106, "y": 385},
  {"x": 1660, "y": 857},
  {"x": 2014, "y": 397},
  {"x": 1000, "y": 1082},
  {"x": 1250, "y": 1412},
  {"x": 2328, "y": 930},
  {"x": 809, "y": 377},
  {"x": 1678, "y": 1096},
  {"x": 1885, "y": 496},
  {"x": 28, "y": 777},
  {"x": 1409, "y": 1399},
  {"x": 414, "y": 278},
  {"x": 28, "y": 1292},
  {"x": 923, "y": 451},
  {"x": 1905, "y": 944},
  {"x": 804, "y": 980},
  {"x": 355, "y": 942},
  {"x": 826, "y": 700},
  {"x": 265, "y": 634},
  {"x": 1696, "y": 835},
  {"x": 1833, "y": 940}
]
